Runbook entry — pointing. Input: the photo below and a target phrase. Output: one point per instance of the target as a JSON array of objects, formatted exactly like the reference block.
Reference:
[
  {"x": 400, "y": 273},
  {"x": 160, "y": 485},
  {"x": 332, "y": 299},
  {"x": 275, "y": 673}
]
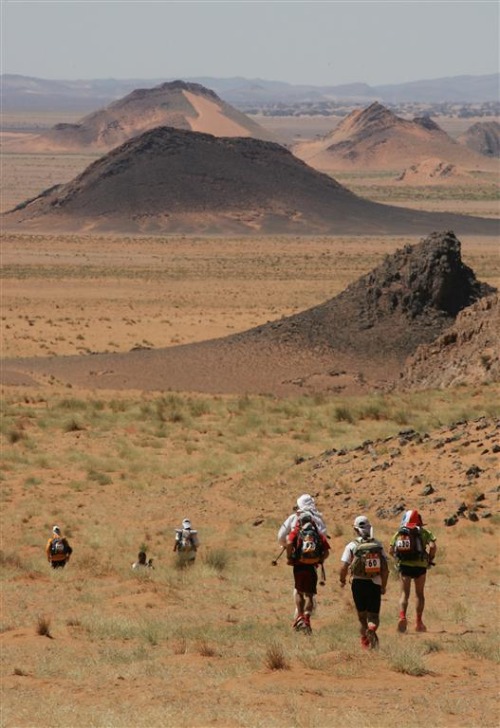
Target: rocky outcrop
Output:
[
  {"x": 483, "y": 137},
  {"x": 410, "y": 299},
  {"x": 468, "y": 352}
]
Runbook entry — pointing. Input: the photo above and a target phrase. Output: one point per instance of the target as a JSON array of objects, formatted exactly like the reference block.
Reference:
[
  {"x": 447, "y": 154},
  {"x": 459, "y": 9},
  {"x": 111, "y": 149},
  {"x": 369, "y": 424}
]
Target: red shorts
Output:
[{"x": 305, "y": 578}]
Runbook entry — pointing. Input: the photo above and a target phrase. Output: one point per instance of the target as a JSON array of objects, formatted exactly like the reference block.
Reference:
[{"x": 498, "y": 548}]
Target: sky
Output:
[{"x": 307, "y": 41}]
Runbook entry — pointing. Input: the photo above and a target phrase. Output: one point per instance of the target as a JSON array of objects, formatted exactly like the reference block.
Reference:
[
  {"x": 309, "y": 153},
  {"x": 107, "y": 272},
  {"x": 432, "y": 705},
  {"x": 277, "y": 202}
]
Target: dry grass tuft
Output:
[
  {"x": 207, "y": 650},
  {"x": 43, "y": 626},
  {"x": 275, "y": 658}
]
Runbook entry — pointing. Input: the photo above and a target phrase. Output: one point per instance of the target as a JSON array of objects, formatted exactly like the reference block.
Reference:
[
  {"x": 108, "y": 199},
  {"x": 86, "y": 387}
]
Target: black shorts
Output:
[
  {"x": 367, "y": 595},
  {"x": 413, "y": 571},
  {"x": 305, "y": 578}
]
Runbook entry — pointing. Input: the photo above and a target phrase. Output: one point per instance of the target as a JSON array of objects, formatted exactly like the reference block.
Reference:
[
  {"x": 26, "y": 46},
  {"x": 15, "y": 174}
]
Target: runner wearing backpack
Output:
[
  {"x": 414, "y": 548},
  {"x": 366, "y": 560},
  {"x": 304, "y": 504},
  {"x": 186, "y": 543},
  {"x": 307, "y": 549},
  {"x": 58, "y": 549}
]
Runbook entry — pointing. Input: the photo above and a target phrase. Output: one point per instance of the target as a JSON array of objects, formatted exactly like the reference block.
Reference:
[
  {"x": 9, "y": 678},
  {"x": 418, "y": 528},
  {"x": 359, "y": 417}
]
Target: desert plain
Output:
[{"x": 97, "y": 644}]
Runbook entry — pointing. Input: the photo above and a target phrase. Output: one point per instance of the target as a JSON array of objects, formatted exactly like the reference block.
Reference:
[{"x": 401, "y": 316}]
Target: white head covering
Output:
[
  {"x": 56, "y": 529},
  {"x": 306, "y": 502},
  {"x": 362, "y": 525},
  {"x": 186, "y": 523}
]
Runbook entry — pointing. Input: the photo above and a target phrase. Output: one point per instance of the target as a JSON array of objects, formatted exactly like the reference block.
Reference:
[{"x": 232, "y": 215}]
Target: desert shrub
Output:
[
  {"x": 43, "y": 626},
  {"x": 406, "y": 658},
  {"x": 275, "y": 658},
  {"x": 432, "y": 646},
  {"x": 73, "y": 425},
  {"x": 98, "y": 477},
  {"x": 206, "y": 650},
  {"x": 217, "y": 559},
  {"x": 487, "y": 648},
  {"x": 344, "y": 414},
  {"x": 71, "y": 403},
  {"x": 15, "y": 435}
]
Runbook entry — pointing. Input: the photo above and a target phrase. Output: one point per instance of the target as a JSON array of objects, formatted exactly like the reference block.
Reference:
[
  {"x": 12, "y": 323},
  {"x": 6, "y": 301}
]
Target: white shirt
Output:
[{"x": 348, "y": 557}]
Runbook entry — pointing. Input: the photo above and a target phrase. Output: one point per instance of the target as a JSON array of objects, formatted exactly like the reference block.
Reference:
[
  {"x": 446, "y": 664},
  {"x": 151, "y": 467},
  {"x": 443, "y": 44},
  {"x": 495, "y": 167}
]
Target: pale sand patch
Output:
[{"x": 211, "y": 120}]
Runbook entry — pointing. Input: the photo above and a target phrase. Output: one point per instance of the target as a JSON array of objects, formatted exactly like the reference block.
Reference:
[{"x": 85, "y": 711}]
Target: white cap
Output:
[
  {"x": 56, "y": 529},
  {"x": 186, "y": 523},
  {"x": 362, "y": 525}
]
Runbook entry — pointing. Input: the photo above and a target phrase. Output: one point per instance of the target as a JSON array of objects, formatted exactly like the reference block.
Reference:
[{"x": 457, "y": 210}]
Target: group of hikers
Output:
[
  {"x": 186, "y": 543},
  {"x": 303, "y": 536}
]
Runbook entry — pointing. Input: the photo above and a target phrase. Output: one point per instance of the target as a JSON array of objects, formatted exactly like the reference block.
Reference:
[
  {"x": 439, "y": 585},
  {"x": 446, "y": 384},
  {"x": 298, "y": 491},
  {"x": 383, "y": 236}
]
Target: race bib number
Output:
[
  {"x": 372, "y": 564},
  {"x": 403, "y": 544}
]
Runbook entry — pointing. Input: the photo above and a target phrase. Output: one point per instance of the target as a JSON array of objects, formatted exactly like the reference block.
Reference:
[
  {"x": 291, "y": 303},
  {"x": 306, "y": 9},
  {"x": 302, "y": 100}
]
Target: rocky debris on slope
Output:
[
  {"x": 432, "y": 171},
  {"x": 468, "y": 352},
  {"x": 408, "y": 300},
  {"x": 451, "y": 474},
  {"x": 483, "y": 137}
]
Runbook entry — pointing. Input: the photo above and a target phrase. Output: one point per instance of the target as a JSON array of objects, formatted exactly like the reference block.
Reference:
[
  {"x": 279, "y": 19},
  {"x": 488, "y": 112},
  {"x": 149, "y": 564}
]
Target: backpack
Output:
[
  {"x": 367, "y": 558},
  {"x": 408, "y": 544},
  {"x": 185, "y": 539},
  {"x": 58, "y": 547},
  {"x": 308, "y": 546}
]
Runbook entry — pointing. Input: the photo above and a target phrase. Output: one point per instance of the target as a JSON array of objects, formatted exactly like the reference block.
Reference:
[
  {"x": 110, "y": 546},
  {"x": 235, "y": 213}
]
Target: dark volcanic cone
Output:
[
  {"x": 354, "y": 342},
  {"x": 170, "y": 181}
]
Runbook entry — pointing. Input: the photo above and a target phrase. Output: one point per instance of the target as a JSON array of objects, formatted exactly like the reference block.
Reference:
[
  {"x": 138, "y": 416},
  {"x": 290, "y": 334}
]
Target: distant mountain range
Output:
[{"x": 24, "y": 93}]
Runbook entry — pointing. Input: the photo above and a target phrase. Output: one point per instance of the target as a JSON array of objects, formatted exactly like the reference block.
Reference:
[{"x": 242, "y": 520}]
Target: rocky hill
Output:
[
  {"x": 177, "y": 104},
  {"x": 483, "y": 138},
  {"x": 170, "y": 180},
  {"x": 408, "y": 300},
  {"x": 374, "y": 138},
  {"x": 468, "y": 352}
]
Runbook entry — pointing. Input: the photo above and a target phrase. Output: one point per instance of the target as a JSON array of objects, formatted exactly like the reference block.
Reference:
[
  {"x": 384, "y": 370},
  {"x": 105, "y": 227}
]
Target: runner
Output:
[
  {"x": 366, "y": 559},
  {"x": 414, "y": 548}
]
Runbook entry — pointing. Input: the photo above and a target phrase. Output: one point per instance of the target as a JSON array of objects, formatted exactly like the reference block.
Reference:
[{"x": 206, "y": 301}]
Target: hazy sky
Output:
[{"x": 314, "y": 42}]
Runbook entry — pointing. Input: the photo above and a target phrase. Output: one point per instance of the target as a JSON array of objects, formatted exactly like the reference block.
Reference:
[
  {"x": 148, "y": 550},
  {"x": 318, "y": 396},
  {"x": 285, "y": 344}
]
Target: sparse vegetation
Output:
[
  {"x": 275, "y": 657},
  {"x": 43, "y": 626}
]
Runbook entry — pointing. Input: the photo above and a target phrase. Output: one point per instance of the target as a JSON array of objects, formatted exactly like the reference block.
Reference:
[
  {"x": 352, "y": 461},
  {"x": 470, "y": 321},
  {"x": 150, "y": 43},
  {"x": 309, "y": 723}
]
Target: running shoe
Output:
[
  {"x": 365, "y": 642},
  {"x": 371, "y": 635},
  {"x": 420, "y": 626},
  {"x": 298, "y": 623},
  {"x": 307, "y": 624},
  {"x": 402, "y": 623}
]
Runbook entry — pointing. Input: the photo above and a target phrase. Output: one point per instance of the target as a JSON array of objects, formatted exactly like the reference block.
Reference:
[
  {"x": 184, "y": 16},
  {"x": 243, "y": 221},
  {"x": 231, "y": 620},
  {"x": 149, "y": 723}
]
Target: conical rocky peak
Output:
[
  {"x": 409, "y": 299},
  {"x": 428, "y": 277}
]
